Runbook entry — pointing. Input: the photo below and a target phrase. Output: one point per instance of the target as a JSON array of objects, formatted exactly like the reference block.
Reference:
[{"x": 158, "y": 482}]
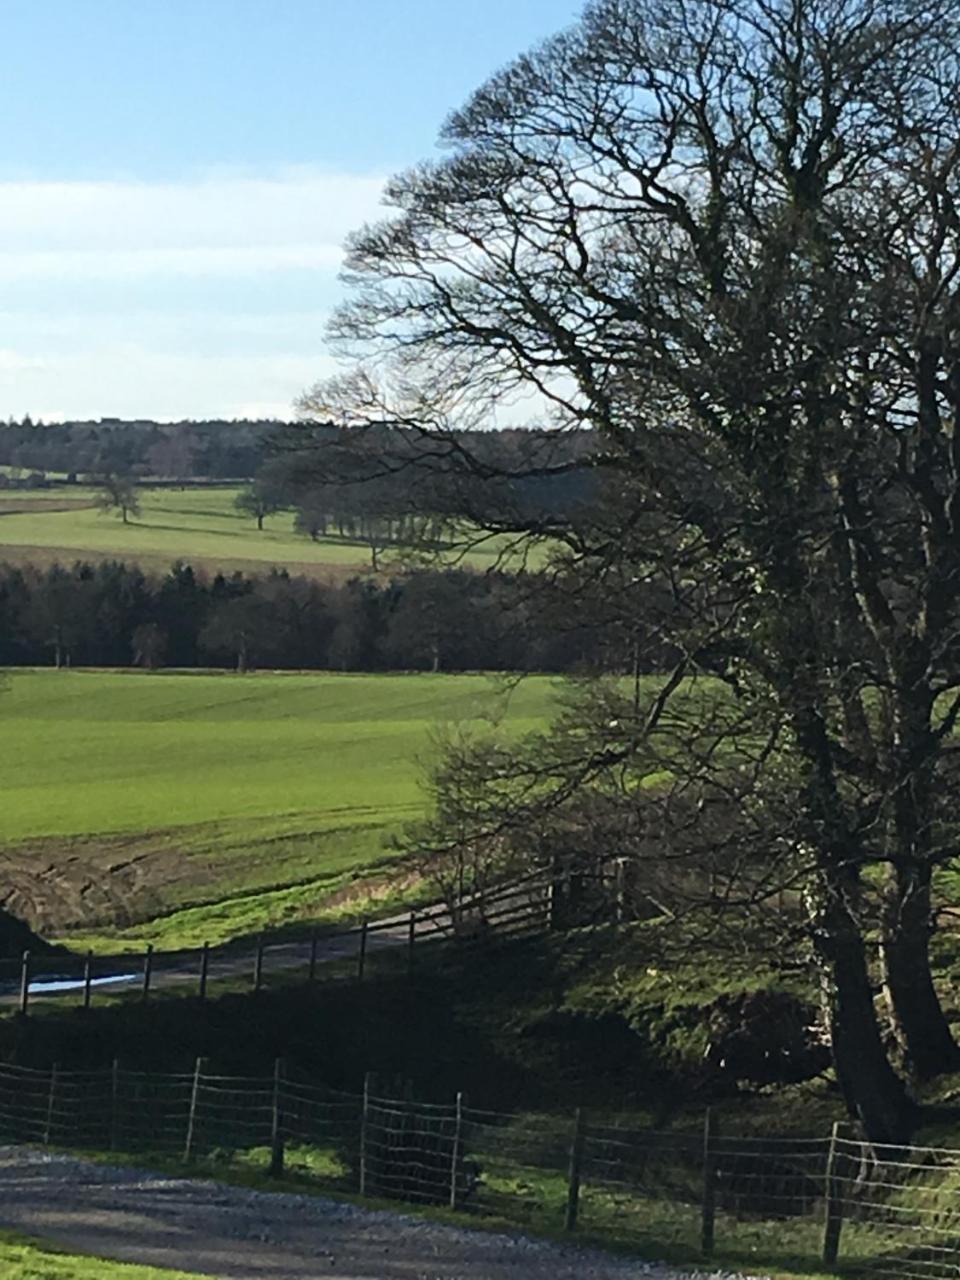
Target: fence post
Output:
[
  {"x": 192, "y": 1116},
  {"x": 573, "y": 1175},
  {"x": 147, "y": 970},
  {"x": 833, "y": 1201},
  {"x": 114, "y": 1104},
  {"x": 362, "y": 953},
  {"x": 258, "y": 965},
  {"x": 364, "y": 1119},
  {"x": 457, "y": 1150},
  {"x": 411, "y": 939},
  {"x": 276, "y": 1123},
  {"x": 87, "y": 978},
  {"x": 204, "y": 970},
  {"x": 312, "y": 976},
  {"x": 709, "y": 1206},
  {"x": 51, "y": 1102},
  {"x": 24, "y": 983}
]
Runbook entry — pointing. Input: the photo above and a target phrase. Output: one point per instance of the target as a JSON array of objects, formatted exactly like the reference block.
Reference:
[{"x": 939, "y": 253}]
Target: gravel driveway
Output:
[{"x": 236, "y": 1234}]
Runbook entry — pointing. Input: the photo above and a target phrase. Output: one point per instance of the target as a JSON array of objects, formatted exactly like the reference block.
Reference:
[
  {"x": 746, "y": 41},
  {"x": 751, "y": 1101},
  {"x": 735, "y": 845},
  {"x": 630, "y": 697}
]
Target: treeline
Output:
[
  {"x": 114, "y": 614},
  {"x": 214, "y": 450}
]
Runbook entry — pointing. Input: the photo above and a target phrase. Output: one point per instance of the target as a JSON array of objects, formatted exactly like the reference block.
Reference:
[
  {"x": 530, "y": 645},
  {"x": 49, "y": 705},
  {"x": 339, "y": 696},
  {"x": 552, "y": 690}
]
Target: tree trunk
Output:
[
  {"x": 260, "y": 521},
  {"x": 921, "y": 1028},
  {"x": 873, "y": 1091}
]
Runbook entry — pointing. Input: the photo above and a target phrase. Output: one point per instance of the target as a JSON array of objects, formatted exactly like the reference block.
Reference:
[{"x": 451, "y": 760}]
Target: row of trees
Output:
[
  {"x": 113, "y": 614},
  {"x": 385, "y": 486},
  {"x": 723, "y": 237}
]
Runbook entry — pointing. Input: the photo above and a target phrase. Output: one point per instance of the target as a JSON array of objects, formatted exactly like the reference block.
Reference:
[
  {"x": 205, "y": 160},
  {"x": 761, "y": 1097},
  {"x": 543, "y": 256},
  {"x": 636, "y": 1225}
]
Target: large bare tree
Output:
[{"x": 723, "y": 237}]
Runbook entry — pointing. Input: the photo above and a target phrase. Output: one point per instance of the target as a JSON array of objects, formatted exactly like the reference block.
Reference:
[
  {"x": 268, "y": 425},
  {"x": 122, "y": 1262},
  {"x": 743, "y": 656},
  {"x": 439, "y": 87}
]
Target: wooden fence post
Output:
[
  {"x": 24, "y": 983},
  {"x": 204, "y": 970},
  {"x": 258, "y": 965},
  {"x": 362, "y": 953},
  {"x": 573, "y": 1175},
  {"x": 276, "y": 1123},
  {"x": 87, "y": 979},
  {"x": 457, "y": 1154},
  {"x": 51, "y": 1103},
  {"x": 833, "y": 1201},
  {"x": 147, "y": 971},
  {"x": 364, "y": 1119},
  {"x": 314, "y": 939},
  {"x": 192, "y": 1116},
  {"x": 709, "y": 1206},
  {"x": 115, "y": 1104},
  {"x": 620, "y": 889}
]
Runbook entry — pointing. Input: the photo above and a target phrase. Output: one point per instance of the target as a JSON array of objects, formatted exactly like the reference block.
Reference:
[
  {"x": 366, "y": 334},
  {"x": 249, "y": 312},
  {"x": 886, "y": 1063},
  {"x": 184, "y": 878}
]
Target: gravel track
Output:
[{"x": 236, "y": 1234}]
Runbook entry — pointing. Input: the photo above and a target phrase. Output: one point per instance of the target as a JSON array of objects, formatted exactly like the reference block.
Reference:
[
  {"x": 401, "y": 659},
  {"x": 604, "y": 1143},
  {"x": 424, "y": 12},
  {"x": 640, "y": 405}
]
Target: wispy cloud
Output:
[
  {"x": 291, "y": 208},
  {"x": 129, "y": 264},
  {"x": 170, "y": 299}
]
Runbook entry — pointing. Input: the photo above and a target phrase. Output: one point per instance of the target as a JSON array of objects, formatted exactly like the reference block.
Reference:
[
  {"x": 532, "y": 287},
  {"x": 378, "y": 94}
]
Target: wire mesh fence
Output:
[{"x": 894, "y": 1211}]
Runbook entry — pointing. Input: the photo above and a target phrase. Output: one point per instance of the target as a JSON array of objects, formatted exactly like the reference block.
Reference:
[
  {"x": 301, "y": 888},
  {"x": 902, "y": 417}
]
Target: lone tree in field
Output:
[
  {"x": 259, "y": 499},
  {"x": 117, "y": 492},
  {"x": 724, "y": 237}
]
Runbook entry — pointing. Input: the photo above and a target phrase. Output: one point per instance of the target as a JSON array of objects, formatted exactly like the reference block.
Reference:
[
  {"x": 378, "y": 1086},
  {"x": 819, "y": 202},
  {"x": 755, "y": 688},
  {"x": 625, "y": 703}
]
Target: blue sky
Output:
[{"x": 177, "y": 177}]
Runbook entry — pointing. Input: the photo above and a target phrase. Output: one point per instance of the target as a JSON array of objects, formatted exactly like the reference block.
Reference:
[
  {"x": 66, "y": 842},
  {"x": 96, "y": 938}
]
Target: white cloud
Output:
[
  {"x": 17, "y": 361},
  {"x": 292, "y": 208},
  {"x": 129, "y": 381},
  {"x": 128, "y": 264},
  {"x": 183, "y": 299}
]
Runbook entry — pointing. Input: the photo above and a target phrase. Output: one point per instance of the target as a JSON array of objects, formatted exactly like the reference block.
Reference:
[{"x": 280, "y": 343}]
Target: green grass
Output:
[
  {"x": 199, "y": 525},
  {"x": 218, "y": 804},
  {"x": 22, "y": 1259}
]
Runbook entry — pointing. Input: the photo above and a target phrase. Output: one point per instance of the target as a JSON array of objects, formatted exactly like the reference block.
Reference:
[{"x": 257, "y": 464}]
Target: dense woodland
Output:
[
  {"x": 114, "y": 614},
  {"x": 180, "y": 450}
]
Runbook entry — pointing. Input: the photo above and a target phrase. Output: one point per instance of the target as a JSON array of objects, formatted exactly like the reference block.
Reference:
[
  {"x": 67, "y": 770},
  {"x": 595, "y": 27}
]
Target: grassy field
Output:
[
  {"x": 183, "y": 808},
  {"x": 199, "y": 525},
  {"x": 26, "y": 1260}
]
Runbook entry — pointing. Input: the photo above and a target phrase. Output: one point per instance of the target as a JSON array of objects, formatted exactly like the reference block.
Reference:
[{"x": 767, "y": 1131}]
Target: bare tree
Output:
[
  {"x": 117, "y": 492},
  {"x": 723, "y": 237}
]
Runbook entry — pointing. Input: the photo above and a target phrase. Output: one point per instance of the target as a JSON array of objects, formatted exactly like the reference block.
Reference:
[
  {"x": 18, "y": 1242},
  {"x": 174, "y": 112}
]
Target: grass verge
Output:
[{"x": 24, "y": 1259}]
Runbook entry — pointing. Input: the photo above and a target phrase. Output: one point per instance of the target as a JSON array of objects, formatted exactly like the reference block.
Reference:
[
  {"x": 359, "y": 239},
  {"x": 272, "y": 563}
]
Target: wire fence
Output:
[{"x": 893, "y": 1211}]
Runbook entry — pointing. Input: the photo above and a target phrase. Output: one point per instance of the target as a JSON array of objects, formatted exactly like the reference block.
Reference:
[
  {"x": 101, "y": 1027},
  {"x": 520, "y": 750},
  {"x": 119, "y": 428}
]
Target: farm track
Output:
[
  {"x": 237, "y": 1234},
  {"x": 172, "y": 970}
]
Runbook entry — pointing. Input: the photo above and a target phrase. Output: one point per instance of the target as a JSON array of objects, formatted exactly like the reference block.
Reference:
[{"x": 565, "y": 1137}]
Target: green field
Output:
[
  {"x": 182, "y": 808},
  {"x": 199, "y": 525}
]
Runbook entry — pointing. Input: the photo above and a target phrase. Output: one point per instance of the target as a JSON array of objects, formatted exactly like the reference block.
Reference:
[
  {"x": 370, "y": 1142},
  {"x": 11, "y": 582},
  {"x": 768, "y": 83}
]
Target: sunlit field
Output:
[{"x": 178, "y": 807}]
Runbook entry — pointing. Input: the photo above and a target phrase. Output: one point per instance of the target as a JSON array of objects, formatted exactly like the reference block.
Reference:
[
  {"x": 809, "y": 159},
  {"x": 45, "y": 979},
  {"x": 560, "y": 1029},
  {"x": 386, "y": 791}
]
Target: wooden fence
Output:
[{"x": 525, "y": 906}]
